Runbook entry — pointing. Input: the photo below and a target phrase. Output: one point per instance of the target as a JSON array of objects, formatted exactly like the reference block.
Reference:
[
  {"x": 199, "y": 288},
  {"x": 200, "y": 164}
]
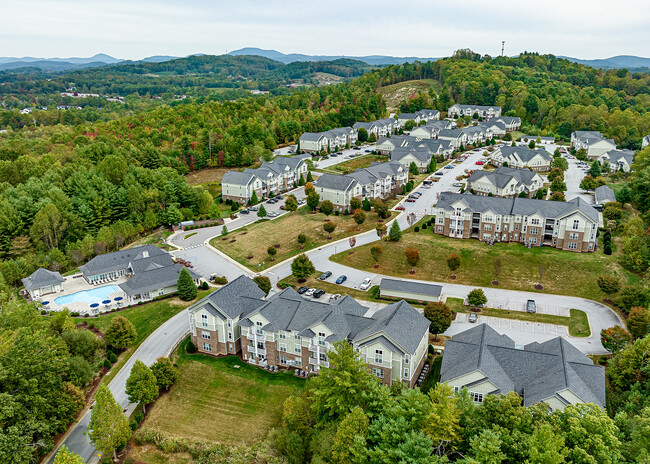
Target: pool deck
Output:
[{"x": 76, "y": 283}]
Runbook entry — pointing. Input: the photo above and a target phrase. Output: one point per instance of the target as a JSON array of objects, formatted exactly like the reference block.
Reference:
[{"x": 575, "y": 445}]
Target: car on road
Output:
[
  {"x": 439, "y": 173},
  {"x": 357, "y": 148},
  {"x": 530, "y": 306},
  {"x": 310, "y": 292},
  {"x": 400, "y": 208},
  {"x": 449, "y": 166},
  {"x": 272, "y": 214},
  {"x": 302, "y": 290},
  {"x": 325, "y": 275},
  {"x": 341, "y": 279},
  {"x": 253, "y": 208},
  {"x": 473, "y": 317},
  {"x": 318, "y": 293},
  {"x": 365, "y": 285},
  {"x": 335, "y": 297},
  {"x": 457, "y": 184},
  {"x": 244, "y": 211}
]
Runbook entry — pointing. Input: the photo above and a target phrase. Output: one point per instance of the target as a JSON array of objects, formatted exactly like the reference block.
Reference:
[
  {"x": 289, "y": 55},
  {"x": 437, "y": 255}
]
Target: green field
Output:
[
  {"x": 357, "y": 163},
  {"x": 562, "y": 272},
  {"x": 221, "y": 400}
]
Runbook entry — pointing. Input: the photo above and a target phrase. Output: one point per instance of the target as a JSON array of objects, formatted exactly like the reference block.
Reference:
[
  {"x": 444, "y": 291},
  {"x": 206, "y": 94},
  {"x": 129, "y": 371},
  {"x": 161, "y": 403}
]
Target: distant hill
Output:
[
  {"x": 375, "y": 60},
  {"x": 615, "y": 62}
]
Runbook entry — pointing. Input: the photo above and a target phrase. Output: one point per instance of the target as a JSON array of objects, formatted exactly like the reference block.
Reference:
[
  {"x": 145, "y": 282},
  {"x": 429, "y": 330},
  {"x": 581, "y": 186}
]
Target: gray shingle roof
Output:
[
  {"x": 118, "y": 259},
  {"x": 450, "y": 133},
  {"x": 521, "y": 206},
  {"x": 410, "y": 286},
  {"x": 154, "y": 278},
  {"x": 524, "y": 153},
  {"x": 604, "y": 194},
  {"x": 502, "y": 176},
  {"x": 311, "y": 136},
  {"x": 538, "y": 372},
  {"x": 407, "y": 116},
  {"x": 335, "y": 182},
  {"x": 233, "y": 299},
  {"x": 423, "y": 154},
  {"x": 237, "y": 178},
  {"x": 42, "y": 278}
]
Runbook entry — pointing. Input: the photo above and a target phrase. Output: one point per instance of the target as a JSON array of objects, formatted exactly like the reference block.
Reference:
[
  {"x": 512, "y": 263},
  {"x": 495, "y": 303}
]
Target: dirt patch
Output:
[{"x": 206, "y": 175}]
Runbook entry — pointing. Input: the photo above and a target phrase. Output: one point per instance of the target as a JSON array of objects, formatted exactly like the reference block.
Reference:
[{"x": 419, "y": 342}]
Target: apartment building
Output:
[
  {"x": 286, "y": 330},
  {"x": 570, "y": 225},
  {"x": 593, "y": 142},
  {"x": 485, "y": 112},
  {"x": 505, "y": 182},
  {"x": 522, "y": 157},
  {"x": 315, "y": 142}
]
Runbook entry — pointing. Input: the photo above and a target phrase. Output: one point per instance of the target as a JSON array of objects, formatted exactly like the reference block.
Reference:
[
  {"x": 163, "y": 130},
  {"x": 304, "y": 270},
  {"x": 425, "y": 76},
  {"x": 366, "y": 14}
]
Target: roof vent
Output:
[{"x": 145, "y": 254}]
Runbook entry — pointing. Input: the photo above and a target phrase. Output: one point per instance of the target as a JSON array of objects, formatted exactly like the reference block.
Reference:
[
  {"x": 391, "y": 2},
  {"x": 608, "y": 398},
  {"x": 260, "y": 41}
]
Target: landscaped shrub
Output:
[
  {"x": 607, "y": 249},
  {"x": 205, "y": 286},
  {"x": 191, "y": 348},
  {"x": 133, "y": 425},
  {"x": 112, "y": 357},
  {"x": 221, "y": 280},
  {"x": 107, "y": 364},
  {"x": 86, "y": 315},
  {"x": 424, "y": 226},
  {"x": 74, "y": 314},
  {"x": 285, "y": 285},
  {"x": 138, "y": 417},
  {"x": 417, "y": 229}
]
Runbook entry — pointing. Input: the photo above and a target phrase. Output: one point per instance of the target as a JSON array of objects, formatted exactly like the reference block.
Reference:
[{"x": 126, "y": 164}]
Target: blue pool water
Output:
[{"x": 94, "y": 295}]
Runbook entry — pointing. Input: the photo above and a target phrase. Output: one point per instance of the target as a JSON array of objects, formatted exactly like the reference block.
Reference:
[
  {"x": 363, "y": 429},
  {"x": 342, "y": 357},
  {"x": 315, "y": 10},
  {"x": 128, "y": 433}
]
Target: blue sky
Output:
[{"x": 135, "y": 29}]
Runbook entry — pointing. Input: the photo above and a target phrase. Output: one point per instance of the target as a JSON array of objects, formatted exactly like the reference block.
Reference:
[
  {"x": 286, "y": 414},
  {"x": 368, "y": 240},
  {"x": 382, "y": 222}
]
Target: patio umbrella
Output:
[
  {"x": 106, "y": 302},
  {"x": 94, "y": 305},
  {"x": 45, "y": 303},
  {"x": 118, "y": 298}
]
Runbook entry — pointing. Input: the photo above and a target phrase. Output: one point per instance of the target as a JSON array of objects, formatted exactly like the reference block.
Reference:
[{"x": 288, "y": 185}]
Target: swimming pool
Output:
[{"x": 94, "y": 295}]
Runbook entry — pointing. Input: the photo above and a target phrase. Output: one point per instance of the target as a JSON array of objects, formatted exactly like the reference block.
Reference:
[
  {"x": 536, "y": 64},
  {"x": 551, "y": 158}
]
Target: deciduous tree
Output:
[
  {"x": 302, "y": 267},
  {"x": 638, "y": 322},
  {"x": 141, "y": 386},
  {"x": 439, "y": 316},
  {"x": 376, "y": 251},
  {"x": 453, "y": 262},
  {"x": 263, "y": 282},
  {"x": 614, "y": 338},
  {"x": 326, "y": 207},
  {"x": 312, "y": 200},
  {"x": 165, "y": 372},
  {"x": 329, "y": 228},
  {"x": 359, "y": 217},
  {"x": 412, "y": 257},
  {"x": 609, "y": 284},
  {"x": 120, "y": 333},
  {"x": 108, "y": 427},
  {"x": 476, "y": 297}
]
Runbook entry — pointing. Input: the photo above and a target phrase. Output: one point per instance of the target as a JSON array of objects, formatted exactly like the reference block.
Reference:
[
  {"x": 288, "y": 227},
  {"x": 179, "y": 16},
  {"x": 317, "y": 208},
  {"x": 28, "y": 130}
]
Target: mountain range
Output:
[{"x": 101, "y": 59}]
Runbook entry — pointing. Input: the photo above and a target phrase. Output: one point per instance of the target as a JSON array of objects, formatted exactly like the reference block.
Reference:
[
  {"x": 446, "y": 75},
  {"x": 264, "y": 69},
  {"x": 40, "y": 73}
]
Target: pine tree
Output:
[
  {"x": 186, "y": 287},
  {"x": 395, "y": 233},
  {"x": 261, "y": 212},
  {"x": 301, "y": 181},
  {"x": 108, "y": 427},
  {"x": 253, "y": 200},
  {"x": 309, "y": 177},
  {"x": 142, "y": 385}
]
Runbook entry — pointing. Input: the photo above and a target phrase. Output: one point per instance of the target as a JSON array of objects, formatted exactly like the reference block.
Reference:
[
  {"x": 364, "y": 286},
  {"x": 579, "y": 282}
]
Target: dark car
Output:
[
  {"x": 318, "y": 293},
  {"x": 244, "y": 211},
  {"x": 530, "y": 306},
  {"x": 325, "y": 275},
  {"x": 341, "y": 279},
  {"x": 302, "y": 290}
]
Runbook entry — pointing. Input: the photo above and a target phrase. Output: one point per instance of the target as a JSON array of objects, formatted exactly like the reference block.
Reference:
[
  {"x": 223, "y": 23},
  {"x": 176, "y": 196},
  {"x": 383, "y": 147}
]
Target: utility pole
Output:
[{"x": 503, "y": 45}]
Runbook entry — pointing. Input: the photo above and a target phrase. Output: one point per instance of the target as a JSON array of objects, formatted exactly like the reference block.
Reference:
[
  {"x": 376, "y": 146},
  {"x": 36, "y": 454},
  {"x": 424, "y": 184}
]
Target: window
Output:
[
  {"x": 487, "y": 237},
  {"x": 476, "y": 397},
  {"x": 258, "y": 329},
  {"x": 297, "y": 349},
  {"x": 283, "y": 359},
  {"x": 573, "y": 246},
  {"x": 379, "y": 356},
  {"x": 207, "y": 347},
  {"x": 283, "y": 348},
  {"x": 532, "y": 239},
  {"x": 298, "y": 362},
  {"x": 205, "y": 335},
  {"x": 487, "y": 227},
  {"x": 229, "y": 335},
  {"x": 283, "y": 336},
  {"x": 590, "y": 246},
  {"x": 440, "y": 228},
  {"x": 534, "y": 222},
  {"x": 576, "y": 224},
  {"x": 534, "y": 230},
  {"x": 204, "y": 320},
  {"x": 406, "y": 359},
  {"x": 573, "y": 235},
  {"x": 516, "y": 226},
  {"x": 229, "y": 323},
  {"x": 321, "y": 338},
  {"x": 296, "y": 337},
  {"x": 377, "y": 372},
  {"x": 406, "y": 373}
]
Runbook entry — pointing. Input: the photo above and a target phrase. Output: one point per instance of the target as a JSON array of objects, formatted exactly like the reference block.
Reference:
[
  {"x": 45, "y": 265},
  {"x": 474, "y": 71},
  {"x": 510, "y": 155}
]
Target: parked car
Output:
[
  {"x": 325, "y": 275},
  {"x": 400, "y": 208},
  {"x": 367, "y": 151},
  {"x": 253, "y": 208},
  {"x": 457, "y": 184},
  {"x": 272, "y": 214},
  {"x": 302, "y": 201},
  {"x": 341, "y": 279},
  {"x": 480, "y": 163},
  {"x": 530, "y": 306},
  {"x": 318, "y": 293},
  {"x": 440, "y": 173},
  {"x": 279, "y": 197},
  {"x": 410, "y": 200},
  {"x": 365, "y": 285},
  {"x": 302, "y": 290},
  {"x": 449, "y": 166},
  {"x": 335, "y": 297},
  {"x": 473, "y": 317},
  {"x": 244, "y": 211},
  {"x": 310, "y": 292},
  {"x": 283, "y": 207},
  {"x": 427, "y": 182}
]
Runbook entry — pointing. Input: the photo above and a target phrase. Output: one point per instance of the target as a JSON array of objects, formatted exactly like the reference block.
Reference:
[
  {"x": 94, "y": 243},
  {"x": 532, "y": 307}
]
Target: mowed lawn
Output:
[
  {"x": 254, "y": 240},
  {"x": 563, "y": 272},
  {"x": 222, "y": 400},
  {"x": 358, "y": 163}
]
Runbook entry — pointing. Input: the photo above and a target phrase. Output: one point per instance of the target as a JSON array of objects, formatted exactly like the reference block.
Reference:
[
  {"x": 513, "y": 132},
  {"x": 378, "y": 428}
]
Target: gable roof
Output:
[
  {"x": 155, "y": 278},
  {"x": 335, "y": 182},
  {"x": 42, "y": 278},
  {"x": 538, "y": 372},
  {"x": 238, "y": 178},
  {"x": 502, "y": 176},
  {"x": 604, "y": 194},
  {"x": 118, "y": 259},
  {"x": 410, "y": 286},
  {"x": 233, "y": 299},
  {"x": 311, "y": 136},
  {"x": 524, "y": 153}
]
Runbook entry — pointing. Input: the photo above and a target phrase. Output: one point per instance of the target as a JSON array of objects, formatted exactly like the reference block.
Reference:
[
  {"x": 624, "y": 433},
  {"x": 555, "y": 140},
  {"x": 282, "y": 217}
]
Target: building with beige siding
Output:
[
  {"x": 570, "y": 225},
  {"x": 554, "y": 372},
  {"x": 505, "y": 182},
  {"x": 286, "y": 330},
  {"x": 522, "y": 157}
]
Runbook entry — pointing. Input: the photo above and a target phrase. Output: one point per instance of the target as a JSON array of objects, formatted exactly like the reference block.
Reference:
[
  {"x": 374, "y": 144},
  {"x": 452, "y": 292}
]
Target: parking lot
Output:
[
  {"x": 522, "y": 332},
  {"x": 344, "y": 156}
]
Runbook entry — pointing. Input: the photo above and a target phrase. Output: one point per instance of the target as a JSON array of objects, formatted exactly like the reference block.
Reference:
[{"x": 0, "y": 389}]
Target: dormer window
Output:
[{"x": 204, "y": 320}]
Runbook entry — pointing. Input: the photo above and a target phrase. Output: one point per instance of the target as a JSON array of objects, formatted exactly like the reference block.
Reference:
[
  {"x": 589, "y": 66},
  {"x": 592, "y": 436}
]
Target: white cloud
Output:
[{"x": 134, "y": 29}]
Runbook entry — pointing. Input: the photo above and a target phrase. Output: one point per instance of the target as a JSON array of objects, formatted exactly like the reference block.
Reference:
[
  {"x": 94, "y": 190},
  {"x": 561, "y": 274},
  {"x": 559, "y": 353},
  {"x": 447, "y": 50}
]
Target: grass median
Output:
[
  {"x": 360, "y": 162},
  {"x": 577, "y": 322}
]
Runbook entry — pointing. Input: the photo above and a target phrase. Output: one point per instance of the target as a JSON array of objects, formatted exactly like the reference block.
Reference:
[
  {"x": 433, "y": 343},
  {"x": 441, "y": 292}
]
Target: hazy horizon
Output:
[{"x": 135, "y": 30}]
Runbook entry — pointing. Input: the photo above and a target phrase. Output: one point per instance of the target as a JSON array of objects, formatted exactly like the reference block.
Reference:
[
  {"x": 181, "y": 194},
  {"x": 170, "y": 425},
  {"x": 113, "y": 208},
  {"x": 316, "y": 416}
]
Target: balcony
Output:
[
  {"x": 314, "y": 362},
  {"x": 319, "y": 347},
  {"x": 260, "y": 352}
]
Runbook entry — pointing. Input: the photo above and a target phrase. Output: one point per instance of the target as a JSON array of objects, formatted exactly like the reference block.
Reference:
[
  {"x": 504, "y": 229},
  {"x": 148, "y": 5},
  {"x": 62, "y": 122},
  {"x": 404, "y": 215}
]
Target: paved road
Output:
[{"x": 157, "y": 344}]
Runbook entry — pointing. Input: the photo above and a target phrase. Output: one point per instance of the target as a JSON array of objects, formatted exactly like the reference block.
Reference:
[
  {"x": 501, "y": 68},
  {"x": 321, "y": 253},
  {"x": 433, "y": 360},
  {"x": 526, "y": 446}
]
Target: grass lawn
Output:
[
  {"x": 146, "y": 318},
  {"x": 255, "y": 239},
  {"x": 360, "y": 162},
  {"x": 577, "y": 322},
  {"x": 214, "y": 401},
  {"x": 563, "y": 272}
]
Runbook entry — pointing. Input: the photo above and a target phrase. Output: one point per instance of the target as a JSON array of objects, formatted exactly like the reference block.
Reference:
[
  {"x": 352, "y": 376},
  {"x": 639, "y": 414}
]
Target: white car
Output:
[
  {"x": 335, "y": 297},
  {"x": 365, "y": 285},
  {"x": 310, "y": 292}
]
